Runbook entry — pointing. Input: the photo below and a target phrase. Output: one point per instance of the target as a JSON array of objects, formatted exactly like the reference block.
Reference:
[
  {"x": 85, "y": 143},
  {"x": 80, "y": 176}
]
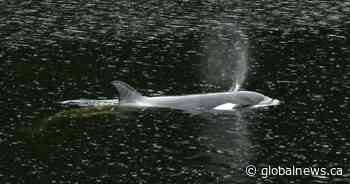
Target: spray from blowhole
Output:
[{"x": 226, "y": 55}]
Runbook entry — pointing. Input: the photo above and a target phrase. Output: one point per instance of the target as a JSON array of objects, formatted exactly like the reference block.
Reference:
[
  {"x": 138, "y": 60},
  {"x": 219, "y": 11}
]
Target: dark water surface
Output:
[{"x": 50, "y": 51}]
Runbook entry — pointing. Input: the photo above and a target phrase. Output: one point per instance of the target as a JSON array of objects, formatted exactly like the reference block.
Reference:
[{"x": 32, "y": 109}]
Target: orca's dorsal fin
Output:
[{"x": 126, "y": 92}]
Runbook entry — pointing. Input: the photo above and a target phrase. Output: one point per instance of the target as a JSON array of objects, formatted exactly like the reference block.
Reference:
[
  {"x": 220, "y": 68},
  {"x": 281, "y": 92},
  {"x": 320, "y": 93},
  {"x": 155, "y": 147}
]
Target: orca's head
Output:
[{"x": 254, "y": 99}]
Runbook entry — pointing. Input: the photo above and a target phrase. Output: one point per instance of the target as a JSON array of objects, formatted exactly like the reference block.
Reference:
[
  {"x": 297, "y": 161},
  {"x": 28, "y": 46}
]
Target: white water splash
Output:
[{"x": 90, "y": 102}]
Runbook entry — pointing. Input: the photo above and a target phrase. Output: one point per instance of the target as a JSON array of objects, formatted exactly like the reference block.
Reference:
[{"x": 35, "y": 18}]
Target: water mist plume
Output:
[{"x": 225, "y": 60}]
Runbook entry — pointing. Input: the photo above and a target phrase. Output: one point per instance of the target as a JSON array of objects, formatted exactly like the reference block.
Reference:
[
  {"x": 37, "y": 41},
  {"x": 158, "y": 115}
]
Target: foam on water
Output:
[{"x": 89, "y": 102}]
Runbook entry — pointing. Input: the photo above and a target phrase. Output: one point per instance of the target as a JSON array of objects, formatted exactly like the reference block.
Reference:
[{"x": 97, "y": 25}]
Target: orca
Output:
[
  {"x": 221, "y": 101},
  {"x": 230, "y": 100}
]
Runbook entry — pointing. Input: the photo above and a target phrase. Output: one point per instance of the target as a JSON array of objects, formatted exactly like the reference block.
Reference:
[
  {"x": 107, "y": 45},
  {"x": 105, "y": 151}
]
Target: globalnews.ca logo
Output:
[{"x": 265, "y": 172}]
